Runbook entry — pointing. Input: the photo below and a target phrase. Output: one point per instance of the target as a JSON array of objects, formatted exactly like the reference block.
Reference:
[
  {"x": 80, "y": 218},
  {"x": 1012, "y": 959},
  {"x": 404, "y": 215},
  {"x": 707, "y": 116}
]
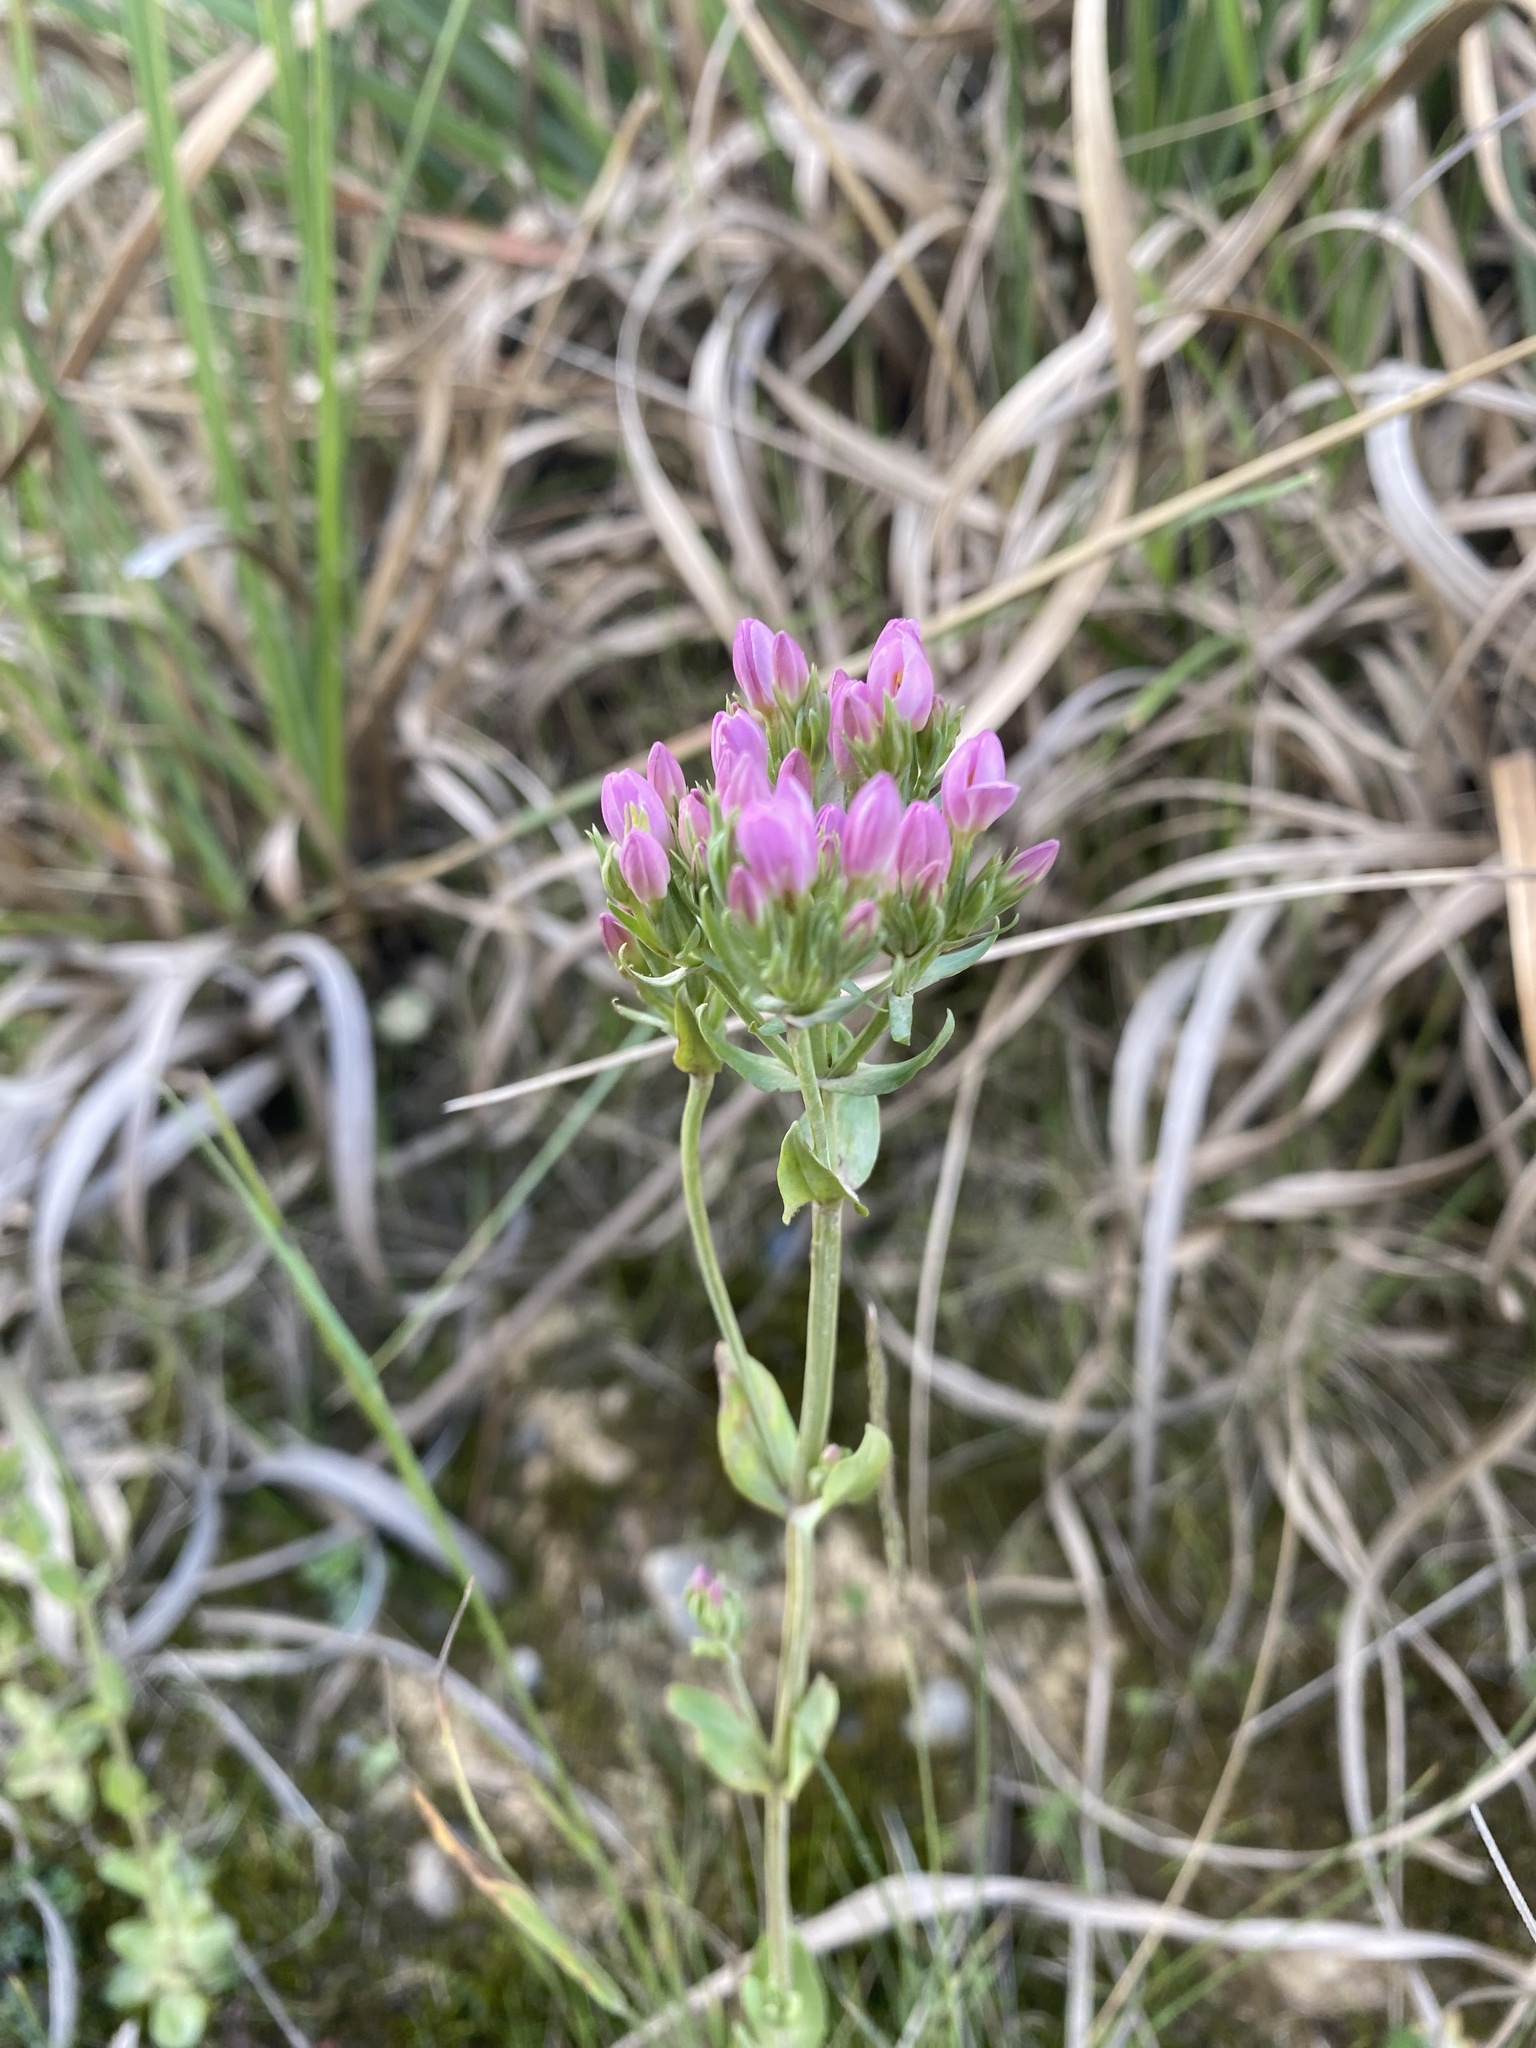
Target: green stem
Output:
[
  {"x": 820, "y": 1342},
  {"x": 804, "y": 1054},
  {"x": 700, "y": 1087},
  {"x": 866, "y": 1041},
  {"x": 826, "y": 1284},
  {"x": 794, "y": 1661}
]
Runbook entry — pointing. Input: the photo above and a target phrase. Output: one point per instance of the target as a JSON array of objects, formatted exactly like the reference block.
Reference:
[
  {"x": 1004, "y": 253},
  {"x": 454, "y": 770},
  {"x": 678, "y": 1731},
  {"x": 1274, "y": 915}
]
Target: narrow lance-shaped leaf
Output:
[
  {"x": 883, "y": 1079},
  {"x": 517, "y": 1904}
]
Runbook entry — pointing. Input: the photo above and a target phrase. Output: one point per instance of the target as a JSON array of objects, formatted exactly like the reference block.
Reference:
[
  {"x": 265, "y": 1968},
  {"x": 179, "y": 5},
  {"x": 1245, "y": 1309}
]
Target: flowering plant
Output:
[{"x": 808, "y": 895}]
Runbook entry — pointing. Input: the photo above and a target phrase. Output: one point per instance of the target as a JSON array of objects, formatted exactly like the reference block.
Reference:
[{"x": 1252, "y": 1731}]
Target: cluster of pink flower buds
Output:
[{"x": 842, "y": 823}]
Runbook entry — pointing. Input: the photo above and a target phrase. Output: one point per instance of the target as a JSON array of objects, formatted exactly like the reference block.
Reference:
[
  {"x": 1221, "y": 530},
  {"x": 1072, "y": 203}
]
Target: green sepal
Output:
[
  {"x": 810, "y": 1729},
  {"x": 756, "y": 1434},
  {"x": 725, "y": 1740},
  {"x": 673, "y": 978},
  {"x": 694, "y": 1054},
  {"x": 882, "y": 1080},
  {"x": 769, "y": 2023},
  {"x": 854, "y": 1478}
]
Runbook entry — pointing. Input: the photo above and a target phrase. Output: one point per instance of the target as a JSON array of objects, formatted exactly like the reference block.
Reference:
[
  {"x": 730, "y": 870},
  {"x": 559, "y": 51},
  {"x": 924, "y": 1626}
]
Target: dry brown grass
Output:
[{"x": 1207, "y": 1253}]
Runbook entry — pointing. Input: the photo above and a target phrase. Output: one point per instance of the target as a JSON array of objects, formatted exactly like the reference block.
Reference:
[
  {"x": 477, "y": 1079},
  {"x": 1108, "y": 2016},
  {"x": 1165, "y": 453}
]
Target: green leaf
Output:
[
  {"x": 809, "y": 1731},
  {"x": 177, "y": 2019},
  {"x": 112, "y": 1688},
  {"x": 881, "y": 1080},
  {"x": 124, "y": 1789},
  {"x": 898, "y": 1011},
  {"x": 854, "y": 1479},
  {"x": 956, "y": 963},
  {"x": 694, "y": 1054},
  {"x": 855, "y": 1121},
  {"x": 801, "y": 2022},
  {"x": 725, "y": 1740},
  {"x": 805, "y": 1178},
  {"x": 773, "y": 1076},
  {"x": 757, "y": 1461},
  {"x": 59, "y": 1578},
  {"x": 124, "y": 1869}
]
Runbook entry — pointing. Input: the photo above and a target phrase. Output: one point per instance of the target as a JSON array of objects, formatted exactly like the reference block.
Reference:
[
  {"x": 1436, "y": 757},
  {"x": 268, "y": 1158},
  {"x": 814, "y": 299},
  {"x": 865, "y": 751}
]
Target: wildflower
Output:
[
  {"x": 739, "y": 748},
  {"x": 643, "y": 864},
  {"x": 768, "y": 664},
  {"x": 974, "y": 789},
  {"x": 1033, "y": 863},
  {"x": 694, "y": 825},
  {"x": 855, "y": 718},
  {"x": 795, "y": 774},
  {"x": 869, "y": 842},
  {"x": 923, "y": 851},
  {"x": 744, "y": 896},
  {"x": 899, "y": 680},
  {"x": 628, "y": 800},
  {"x": 831, "y": 824},
  {"x": 898, "y": 669},
  {"x": 778, "y": 844},
  {"x": 663, "y": 771},
  {"x": 614, "y": 936},
  {"x": 702, "y": 1580}
]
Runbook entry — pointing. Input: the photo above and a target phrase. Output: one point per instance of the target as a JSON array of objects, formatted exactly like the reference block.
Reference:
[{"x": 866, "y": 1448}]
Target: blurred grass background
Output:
[{"x": 394, "y": 426}]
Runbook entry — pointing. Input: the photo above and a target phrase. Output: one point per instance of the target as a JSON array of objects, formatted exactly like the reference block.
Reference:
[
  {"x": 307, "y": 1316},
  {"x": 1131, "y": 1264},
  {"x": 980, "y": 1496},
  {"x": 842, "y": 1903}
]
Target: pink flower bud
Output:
[
  {"x": 613, "y": 934},
  {"x": 862, "y": 922},
  {"x": 869, "y": 843},
  {"x": 1034, "y": 863},
  {"x": 795, "y": 774},
  {"x": 831, "y": 823},
  {"x": 629, "y": 800},
  {"x": 702, "y": 1580},
  {"x": 974, "y": 789},
  {"x": 923, "y": 851},
  {"x": 898, "y": 669},
  {"x": 663, "y": 771},
  {"x": 739, "y": 748},
  {"x": 693, "y": 826},
  {"x": 856, "y": 713},
  {"x": 644, "y": 866},
  {"x": 766, "y": 662},
  {"x": 745, "y": 897},
  {"x": 777, "y": 841}
]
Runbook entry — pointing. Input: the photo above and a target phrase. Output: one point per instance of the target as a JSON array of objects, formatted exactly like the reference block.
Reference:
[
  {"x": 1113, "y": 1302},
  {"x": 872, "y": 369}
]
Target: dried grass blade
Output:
[
  {"x": 1513, "y": 780},
  {"x": 770, "y": 54},
  {"x": 1201, "y": 498},
  {"x": 382, "y": 1501},
  {"x": 63, "y": 1973},
  {"x": 350, "y": 1110},
  {"x": 1221, "y": 983}
]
